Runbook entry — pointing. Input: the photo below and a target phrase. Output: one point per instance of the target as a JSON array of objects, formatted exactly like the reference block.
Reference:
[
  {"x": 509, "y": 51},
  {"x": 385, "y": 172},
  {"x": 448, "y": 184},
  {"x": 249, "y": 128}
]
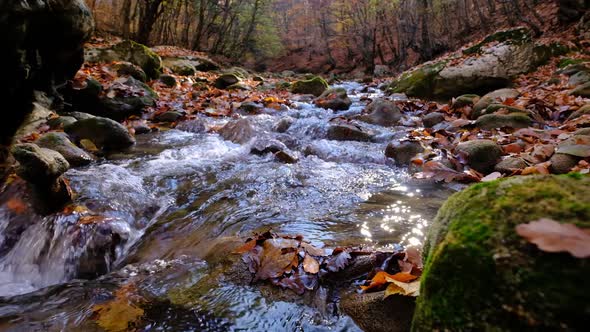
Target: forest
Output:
[{"x": 294, "y": 165}]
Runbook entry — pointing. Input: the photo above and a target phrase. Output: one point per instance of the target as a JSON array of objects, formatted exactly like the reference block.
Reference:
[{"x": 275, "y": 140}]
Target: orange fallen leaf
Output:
[
  {"x": 311, "y": 265},
  {"x": 16, "y": 205},
  {"x": 381, "y": 278},
  {"x": 246, "y": 247}
]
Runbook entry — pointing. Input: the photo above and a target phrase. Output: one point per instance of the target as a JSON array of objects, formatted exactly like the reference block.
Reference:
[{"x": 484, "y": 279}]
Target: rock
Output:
[
  {"x": 226, "y": 80},
  {"x": 313, "y": 86},
  {"x": 572, "y": 68},
  {"x": 481, "y": 155},
  {"x": 380, "y": 71},
  {"x": 511, "y": 165},
  {"x": 495, "y": 97},
  {"x": 168, "y": 80},
  {"x": 104, "y": 133},
  {"x": 42, "y": 48},
  {"x": 465, "y": 100},
  {"x": 129, "y": 69},
  {"x": 493, "y": 108},
  {"x": 403, "y": 152},
  {"x": 582, "y": 111},
  {"x": 181, "y": 67},
  {"x": 382, "y": 112},
  {"x": 514, "y": 120},
  {"x": 579, "y": 78},
  {"x": 241, "y": 73},
  {"x": 287, "y": 73},
  {"x": 238, "y": 131},
  {"x": 129, "y": 51},
  {"x": 582, "y": 90},
  {"x": 285, "y": 157},
  {"x": 250, "y": 107},
  {"x": 123, "y": 99},
  {"x": 239, "y": 86},
  {"x": 79, "y": 115},
  {"x": 348, "y": 132},
  {"x": 61, "y": 143},
  {"x": 99, "y": 251},
  {"x": 39, "y": 165},
  {"x": 284, "y": 124},
  {"x": 142, "y": 128},
  {"x": 432, "y": 119},
  {"x": 490, "y": 65},
  {"x": 334, "y": 99},
  {"x": 262, "y": 146},
  {"x": 60, "y": 122},
  {"x": 169, "y": 116},
  {"x": 372, "y": 312},
  {"x": 582, "y": 132},
  {"x": 562, "y": 163},
  {"x": 258, "y": 79},
  {"x": 480, "y": 275},
  {"x": 192, "y": 126}
]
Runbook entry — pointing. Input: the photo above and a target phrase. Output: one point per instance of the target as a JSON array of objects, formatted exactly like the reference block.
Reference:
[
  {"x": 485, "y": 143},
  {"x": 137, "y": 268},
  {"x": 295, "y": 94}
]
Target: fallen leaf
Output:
[
  {"x": 491, "y": 177},
  {"x": 552, "y": 236},
  {"x": 16, "y": 205},
  {"x": 246, "y": 247},
  {"x": 402, "y": 288},
  {"x": 382, "y": 278},
  {"x": 338, "y": 261},
  {"x": 121, "y": 313},
  {"x": 311, "y": 265},
  {"x": 274, "y": 259}
]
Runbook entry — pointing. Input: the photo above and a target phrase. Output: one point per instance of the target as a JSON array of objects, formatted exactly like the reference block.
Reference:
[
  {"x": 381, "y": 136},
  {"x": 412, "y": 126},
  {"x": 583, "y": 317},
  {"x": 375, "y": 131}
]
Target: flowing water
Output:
[{"x": 178, "y": 201}]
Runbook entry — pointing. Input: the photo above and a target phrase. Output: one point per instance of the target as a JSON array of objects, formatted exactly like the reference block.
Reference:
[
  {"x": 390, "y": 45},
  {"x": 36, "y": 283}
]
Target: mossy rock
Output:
[
  {"x": 312, "y": 86},
  {"x": 493, "y": 108},
  {"x": 582, "y": 90},
  {"x": 168, "y": 80},
  {"x": 226, "y": 80},
  {"x": 514, "y": 36},
  {"x": 141, "y": 55},
  {"x": 480, "y": 275},
  {"x": 419, "y": 82},
  {"x": 582, "y": 111},
  {"x": 465, "y": 100},
  {"x": 493, "y": 97},
  {"x": 544, "y": 52},
  {"x": 513, "y": 120}
]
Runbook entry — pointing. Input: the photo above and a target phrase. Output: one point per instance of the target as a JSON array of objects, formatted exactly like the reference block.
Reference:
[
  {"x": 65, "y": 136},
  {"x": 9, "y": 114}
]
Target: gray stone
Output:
[
  {"x": 403, "y": 152},
  {"x": 511, "y": 165},
  {"x": 514, "y": 120},
  {"x": 382, "y": 112},
  {"x": 39, "y": 165},
  {"x": 103, "y": 132},
  {"x": 481, "y": 155},
  {"x": 238, "y": 131},
  {"x": 432, "y": 119},
  {"x": 168, "y": 80},
  {"x": 61, "y": 143},
  {"x": 348, "y": 132},
  {"x": 562, "y": 163},
  {"x": 493, "y": 97},
  {"x": 335, "y": 99}
]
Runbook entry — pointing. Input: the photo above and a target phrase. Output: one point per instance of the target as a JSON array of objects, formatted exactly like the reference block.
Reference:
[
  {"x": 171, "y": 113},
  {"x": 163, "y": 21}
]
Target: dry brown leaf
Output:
[
  {"x": 552, "y": 236},
  {"x": 311, "y": 265},
  {"x": 402, "y": 288}
]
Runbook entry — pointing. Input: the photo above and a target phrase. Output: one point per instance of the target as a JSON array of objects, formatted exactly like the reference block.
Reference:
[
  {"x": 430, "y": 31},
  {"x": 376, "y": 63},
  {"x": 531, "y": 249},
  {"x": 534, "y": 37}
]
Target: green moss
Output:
[
  {"x": 512, "y": 120},
  {"x": 516, "y": 36},
  {"x": 569, "y": 61},
  {"x": 141, "y": 55},
  {"x": 314, "y": 86},
  {"x": 419, "y": 82},
  {"x": 480, "y": 275},
  {"x": 543, "y": 52}
]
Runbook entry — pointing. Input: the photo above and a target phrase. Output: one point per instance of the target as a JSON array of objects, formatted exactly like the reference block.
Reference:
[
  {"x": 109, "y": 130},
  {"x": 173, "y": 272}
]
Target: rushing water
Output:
[{"x": 177, "y": 196}]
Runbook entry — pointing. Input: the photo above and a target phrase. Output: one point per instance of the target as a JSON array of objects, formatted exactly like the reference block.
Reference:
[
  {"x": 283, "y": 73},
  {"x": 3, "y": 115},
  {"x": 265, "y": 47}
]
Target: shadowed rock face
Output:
[{"x": 42, "y": 47}]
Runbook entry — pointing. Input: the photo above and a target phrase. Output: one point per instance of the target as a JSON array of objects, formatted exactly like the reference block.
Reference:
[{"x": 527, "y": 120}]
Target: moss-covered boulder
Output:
[
  {"x": 180, "y": 66},
  {"x": 480, "y": 275},
  {"x": 419, "y": 82},
  {"x": 313, "y": 86},
  {"x": 39, "y": 165},
  {"x": 513, "y": 120},
  {"x": 129, "y": 51},
  {"x": 123, "y": 99},
  {"x": 518, "y": 36},
  {"x": 465, "y": 100}
]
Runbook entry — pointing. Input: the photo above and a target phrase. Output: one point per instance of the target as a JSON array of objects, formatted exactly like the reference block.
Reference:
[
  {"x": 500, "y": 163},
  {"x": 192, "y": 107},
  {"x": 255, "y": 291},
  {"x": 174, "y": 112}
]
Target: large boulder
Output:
[
  {"x": 490, "y": 64},
  {"x": 313, "y": 86},
  {"x": 226, "y": 80},
  {"x": 129, "y": 51},
  {"x": 480, "y": 275},
  {"x": 61, "y": 143},
  {"x": 42, "y": 47},
  {"x": 372, "y": 312},
  {"x": 382, "y": 112},
  {"x": 103, "y": 132},
  {"x": 335, "y": 99}
]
